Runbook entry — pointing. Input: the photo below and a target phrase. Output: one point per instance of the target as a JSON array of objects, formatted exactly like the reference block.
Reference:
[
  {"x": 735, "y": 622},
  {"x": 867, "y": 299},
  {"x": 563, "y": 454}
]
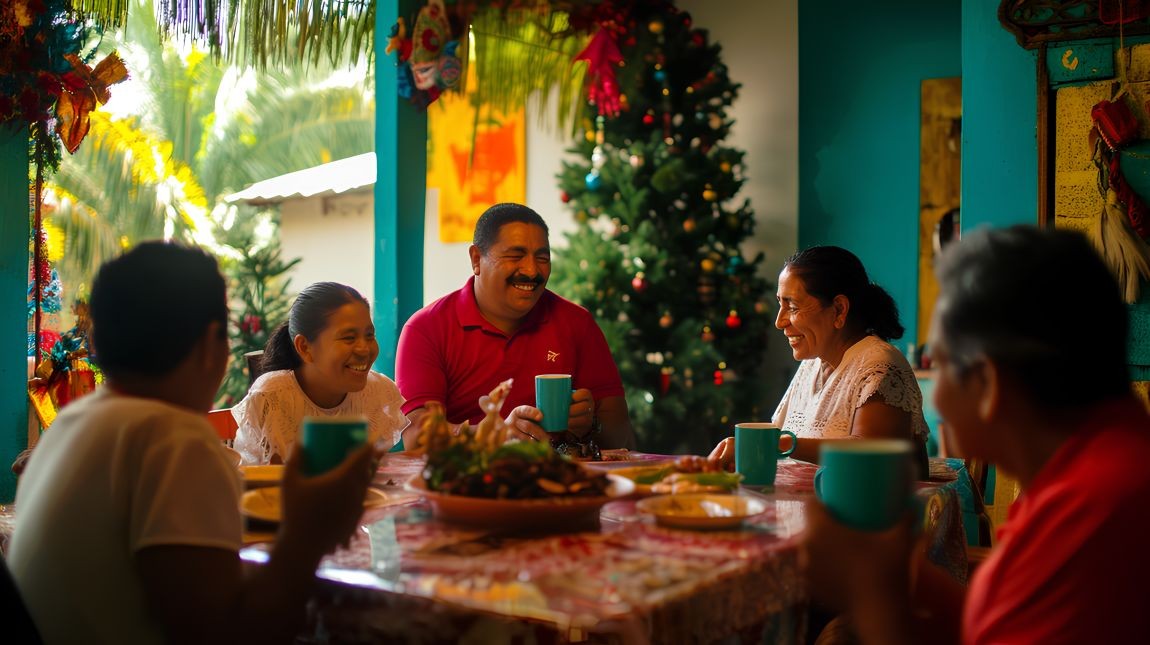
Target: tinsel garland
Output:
[{"x": 35, "y": 37}]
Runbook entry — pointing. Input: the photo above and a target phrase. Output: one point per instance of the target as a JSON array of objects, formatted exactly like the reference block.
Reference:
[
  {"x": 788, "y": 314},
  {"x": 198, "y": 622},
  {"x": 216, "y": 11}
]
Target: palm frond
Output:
[
  {"x": 109, "y": 13},
  {"x": 272, "y": 33},
  {"x": 528, "y": 52}
]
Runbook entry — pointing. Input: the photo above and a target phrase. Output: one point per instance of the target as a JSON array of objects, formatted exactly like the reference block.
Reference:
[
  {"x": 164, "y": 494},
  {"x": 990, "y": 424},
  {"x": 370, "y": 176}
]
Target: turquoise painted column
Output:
[
  {"x": 13, "y": 302},
  {"x": 400, "y": 187}
]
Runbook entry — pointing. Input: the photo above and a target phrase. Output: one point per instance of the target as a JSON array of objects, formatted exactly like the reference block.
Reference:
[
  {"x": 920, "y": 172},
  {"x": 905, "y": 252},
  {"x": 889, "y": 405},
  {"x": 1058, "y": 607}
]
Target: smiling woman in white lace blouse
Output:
[
  {"x": 852, "y": 383},
  {"x": 318, "y": 363}
]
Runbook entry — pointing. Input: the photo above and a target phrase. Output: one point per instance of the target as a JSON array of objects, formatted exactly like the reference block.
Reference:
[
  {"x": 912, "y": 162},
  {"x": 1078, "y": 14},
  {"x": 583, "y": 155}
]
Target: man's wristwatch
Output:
[{"x": 596, "y": 428}]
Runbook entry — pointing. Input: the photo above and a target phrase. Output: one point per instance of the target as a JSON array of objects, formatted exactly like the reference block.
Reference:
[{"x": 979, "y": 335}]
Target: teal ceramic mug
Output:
[
  {"x": 757, "y": 452},
  {"x": 553, "y": 398},
  {"x": 866, "y": 484},
  {"x": 327, "y": 441}
]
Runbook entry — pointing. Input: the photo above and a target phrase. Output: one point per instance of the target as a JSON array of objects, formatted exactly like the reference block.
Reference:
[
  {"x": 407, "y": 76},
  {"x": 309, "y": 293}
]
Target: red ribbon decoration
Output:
[
  {"x": 82, "y": 89},
  {"x": 602, "y": 56}
]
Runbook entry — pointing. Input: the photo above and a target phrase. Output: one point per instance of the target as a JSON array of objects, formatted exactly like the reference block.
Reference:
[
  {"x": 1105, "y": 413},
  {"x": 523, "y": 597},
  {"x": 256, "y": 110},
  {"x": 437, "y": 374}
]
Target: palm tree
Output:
[{"x": 199, "y": 132}]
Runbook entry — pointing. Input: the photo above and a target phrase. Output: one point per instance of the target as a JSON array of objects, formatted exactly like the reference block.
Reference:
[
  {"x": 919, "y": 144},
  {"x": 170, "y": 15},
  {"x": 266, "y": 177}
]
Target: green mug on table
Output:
[
  {"x": 866, "y": 483},
  {"x": 757, "y": 452}
]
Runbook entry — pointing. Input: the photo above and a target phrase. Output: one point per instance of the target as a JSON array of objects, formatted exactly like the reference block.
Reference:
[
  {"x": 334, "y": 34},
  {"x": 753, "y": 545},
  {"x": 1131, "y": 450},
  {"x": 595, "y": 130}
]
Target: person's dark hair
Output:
[
  {"x": 308, "y": 316},
  {"x": 829, "y": 271},
  {"x": 151, "y": 305},
  {"x": 493, "y": 219},
  {"x": 1009, "y": 295}
]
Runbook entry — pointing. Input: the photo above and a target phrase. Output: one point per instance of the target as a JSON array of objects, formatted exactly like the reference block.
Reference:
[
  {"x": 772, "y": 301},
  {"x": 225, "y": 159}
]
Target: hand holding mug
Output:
[
  {"x": 581, "y": 415},
  {"x": 757, "y": 451},
  {"x": 723, "y": 456},
  {"x": 866, "y": 484},
  {"x": 845, "y": 566},
  {"x": 524, "y": 423},
  {"x": 336, "y": 496}
]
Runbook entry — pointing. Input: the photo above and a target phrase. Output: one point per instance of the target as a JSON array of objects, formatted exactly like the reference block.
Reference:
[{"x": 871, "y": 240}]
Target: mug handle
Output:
[
  {"x": 794, "y": 442},
  {"x": 818, "y": 482}
]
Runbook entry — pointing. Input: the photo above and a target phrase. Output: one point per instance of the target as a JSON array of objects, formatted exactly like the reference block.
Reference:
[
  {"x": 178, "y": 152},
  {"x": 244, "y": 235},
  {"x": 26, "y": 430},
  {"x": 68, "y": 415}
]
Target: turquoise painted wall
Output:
[
  {"x": 13, "y": 303},
  {"x": 860, "y": 70},
  {"x": 999, "y": 122}
]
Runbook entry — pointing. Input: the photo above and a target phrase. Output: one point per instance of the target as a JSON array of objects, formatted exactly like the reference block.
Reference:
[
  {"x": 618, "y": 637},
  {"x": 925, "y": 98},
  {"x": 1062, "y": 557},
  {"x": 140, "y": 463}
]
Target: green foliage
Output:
[
  {"x": 201, "y": 131},
  {"x": 261, "y": 34},
  {"x": 656, "y": 255},
  {"x": 258, "y": 287}
]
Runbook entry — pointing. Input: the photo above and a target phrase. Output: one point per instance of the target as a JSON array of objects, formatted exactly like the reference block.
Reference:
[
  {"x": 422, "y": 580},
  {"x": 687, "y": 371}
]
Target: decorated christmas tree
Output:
[{"x": 656, "y": 255}]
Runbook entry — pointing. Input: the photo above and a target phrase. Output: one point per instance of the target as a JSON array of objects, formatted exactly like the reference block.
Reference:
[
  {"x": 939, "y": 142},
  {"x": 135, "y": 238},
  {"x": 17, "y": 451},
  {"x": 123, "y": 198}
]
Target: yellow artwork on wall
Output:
[{"x": 469, "y": 180}]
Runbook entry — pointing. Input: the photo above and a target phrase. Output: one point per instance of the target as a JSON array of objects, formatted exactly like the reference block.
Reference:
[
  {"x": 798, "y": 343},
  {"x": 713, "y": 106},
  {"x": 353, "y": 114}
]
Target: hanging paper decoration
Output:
[
  {"x": 83, "y": 88},
  {"x": 602, "y": 56},
  {"x": 1124, "y": 217},
  {"x": 428, "y": 59},
  {"x": 66, "y": 373},
  {"x": 42, "y": 75}
]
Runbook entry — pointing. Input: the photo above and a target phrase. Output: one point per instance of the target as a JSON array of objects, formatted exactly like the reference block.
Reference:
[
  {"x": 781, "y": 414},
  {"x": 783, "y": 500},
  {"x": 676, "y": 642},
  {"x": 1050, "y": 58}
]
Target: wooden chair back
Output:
[
  {"x": 255, "y": 364},
  {"x": 225, "y": 424}
]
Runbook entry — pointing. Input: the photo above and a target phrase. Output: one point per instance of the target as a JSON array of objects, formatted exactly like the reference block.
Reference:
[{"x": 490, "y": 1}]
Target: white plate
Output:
[
  {"x": 701, "y": 510},
  {"x": 264, "y": 503}
]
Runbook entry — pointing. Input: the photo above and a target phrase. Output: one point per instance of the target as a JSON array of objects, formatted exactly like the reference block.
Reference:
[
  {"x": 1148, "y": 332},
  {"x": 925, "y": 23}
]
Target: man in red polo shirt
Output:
[{"x": 504, "y": 324}]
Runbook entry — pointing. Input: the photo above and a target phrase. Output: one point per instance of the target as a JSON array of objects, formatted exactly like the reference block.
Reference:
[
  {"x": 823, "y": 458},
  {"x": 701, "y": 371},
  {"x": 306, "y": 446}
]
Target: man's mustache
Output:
[{"x": 522, "y": 279}]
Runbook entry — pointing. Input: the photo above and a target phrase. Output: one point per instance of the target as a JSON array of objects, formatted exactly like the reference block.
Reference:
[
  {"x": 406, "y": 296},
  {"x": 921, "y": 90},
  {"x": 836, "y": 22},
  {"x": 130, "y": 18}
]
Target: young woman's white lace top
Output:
[
  {"x": 824, "y": 406},
  {"x": 269, "y": 416}
]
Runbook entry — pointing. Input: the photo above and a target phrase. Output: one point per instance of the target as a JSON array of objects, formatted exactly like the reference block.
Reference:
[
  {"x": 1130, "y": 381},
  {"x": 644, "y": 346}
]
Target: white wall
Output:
[
  {"x": 760, "y": 47},
  {"x": 334, "y": 237}
]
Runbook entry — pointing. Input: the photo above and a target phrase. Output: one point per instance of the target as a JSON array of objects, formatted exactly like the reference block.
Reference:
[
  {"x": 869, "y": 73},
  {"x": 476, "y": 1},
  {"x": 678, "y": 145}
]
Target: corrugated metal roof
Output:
[{"x": 328, "y": 179}]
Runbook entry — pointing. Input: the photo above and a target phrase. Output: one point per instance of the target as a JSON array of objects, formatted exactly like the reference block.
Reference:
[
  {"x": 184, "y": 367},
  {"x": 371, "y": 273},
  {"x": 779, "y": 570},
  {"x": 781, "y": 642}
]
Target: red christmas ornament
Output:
[
  {"x": 708, "y": 335},
  {"x": 648, "y": 119},
  {"x": 718, "y": 377},
  {"x": 564, "y": 197},
  {"x": 664, "y": 380},
  {"x": 733, "y": 320},
  {"x": 639, "y": 282}
]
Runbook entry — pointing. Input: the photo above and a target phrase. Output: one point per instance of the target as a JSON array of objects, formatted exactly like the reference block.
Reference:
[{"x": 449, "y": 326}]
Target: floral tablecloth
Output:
[{"x": 409, "y": 577}]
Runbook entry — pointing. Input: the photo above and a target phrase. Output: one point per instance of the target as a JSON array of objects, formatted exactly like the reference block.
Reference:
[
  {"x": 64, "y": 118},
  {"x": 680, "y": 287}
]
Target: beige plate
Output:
[
  {"x": 520, "y": 514},
  {"x": 264, "y": 503},
  {"x": 701, "y": 510}
]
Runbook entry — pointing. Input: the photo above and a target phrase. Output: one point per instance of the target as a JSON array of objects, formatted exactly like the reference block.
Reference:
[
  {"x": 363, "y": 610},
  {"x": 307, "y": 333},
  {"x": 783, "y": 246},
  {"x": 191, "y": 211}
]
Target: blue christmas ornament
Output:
[
  {"x": 594, "y": 181},
  {"x": 660, "y": 75}
]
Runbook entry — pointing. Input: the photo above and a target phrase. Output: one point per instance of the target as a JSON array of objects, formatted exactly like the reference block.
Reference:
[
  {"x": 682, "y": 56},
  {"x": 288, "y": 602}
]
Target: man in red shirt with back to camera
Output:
[
  {"x": 504, "y": 324},
  {"x": 1041, "y": 389}
]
